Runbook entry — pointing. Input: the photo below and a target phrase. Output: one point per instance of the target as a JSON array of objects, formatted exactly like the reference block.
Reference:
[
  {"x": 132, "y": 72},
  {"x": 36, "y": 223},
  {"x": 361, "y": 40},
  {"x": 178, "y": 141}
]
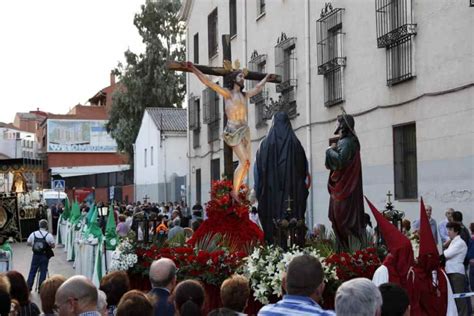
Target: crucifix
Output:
[
  {"x": 146, "y": 198},
  {"x": 236, "y": 131}
]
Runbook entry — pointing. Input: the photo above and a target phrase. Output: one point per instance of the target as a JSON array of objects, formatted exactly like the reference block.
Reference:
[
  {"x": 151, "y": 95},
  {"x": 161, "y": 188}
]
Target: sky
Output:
[{"x": 55, "y": 54}]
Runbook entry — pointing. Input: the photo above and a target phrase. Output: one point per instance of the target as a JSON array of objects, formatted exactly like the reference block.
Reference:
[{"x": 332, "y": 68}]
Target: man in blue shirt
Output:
[
  {"x": 304, "y": 285},
  {"x": 434, "y": 226},
  {"x": 163, "y": 280}
]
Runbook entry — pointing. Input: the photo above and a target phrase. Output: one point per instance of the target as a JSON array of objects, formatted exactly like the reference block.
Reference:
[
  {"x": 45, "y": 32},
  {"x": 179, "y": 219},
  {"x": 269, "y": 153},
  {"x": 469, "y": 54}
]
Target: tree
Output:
[{"x": 144, "y": 80}]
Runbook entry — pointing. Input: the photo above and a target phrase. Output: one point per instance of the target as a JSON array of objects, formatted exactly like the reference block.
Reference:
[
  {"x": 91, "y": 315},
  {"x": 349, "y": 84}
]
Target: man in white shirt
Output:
[
  {"x": 443, "y": 231},
  {"x": 40, "y": 240},
  {"x": 455, "y": 255}
]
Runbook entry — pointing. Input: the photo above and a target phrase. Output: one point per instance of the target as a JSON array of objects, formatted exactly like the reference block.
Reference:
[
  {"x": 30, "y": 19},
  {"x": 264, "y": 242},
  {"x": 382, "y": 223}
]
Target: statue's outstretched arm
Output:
[
  {"x": 258, "y": 88},
  {"x": 205, "y": 80}
]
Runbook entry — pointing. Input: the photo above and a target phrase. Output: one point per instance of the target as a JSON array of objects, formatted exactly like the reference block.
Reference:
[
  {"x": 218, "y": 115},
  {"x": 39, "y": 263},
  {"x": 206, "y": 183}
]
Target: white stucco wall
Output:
[
  {"x": 169, "y": 159},
  {"x": 443, "y": 59}
]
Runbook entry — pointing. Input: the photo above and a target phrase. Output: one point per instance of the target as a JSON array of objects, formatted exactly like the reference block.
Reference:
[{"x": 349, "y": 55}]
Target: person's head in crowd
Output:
[
  {"x": 122, "y": 218},
  {"x": 163, "y": 274},
  {"x": 449, "y": 214},
  {"x": 48, "y": 292},
  {"x": 454, "y": 229},
  {"x": 75, "y": 296},
  {"x": 395, "y": 300},
  {"x": 428, "y": 210},
  {"x": 235, "y": 292},
  {"x": 176, "y": 222},
  {"x": 43, "y": 224},
  {"x": 134, "y": 303},
  {"x": 102, "y": 302},
  {"x": 18, "y": 287},
  {"x": 189, "y": 298},
  {"x": 406, "y": 226},
  {"x": 304, "y": 277},
  {"x": 223, "y": 311},
  {"x": 358, "y": 296},
  {"x": 195, "y": 225},
  {"x": 4, "y": 283},
  {"x": 115, "y": 284},
  {"x": 174, "y": 214},
  {"x": 457, "y": 217},
  {"x": 471, "y": 228},
  {"x": 5, "y": 298},
  {"x": 319, "y": 230}
]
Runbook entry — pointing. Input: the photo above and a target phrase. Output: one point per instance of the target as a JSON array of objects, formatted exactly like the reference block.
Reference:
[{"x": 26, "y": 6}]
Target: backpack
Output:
[{"x": 40, "y": 245}]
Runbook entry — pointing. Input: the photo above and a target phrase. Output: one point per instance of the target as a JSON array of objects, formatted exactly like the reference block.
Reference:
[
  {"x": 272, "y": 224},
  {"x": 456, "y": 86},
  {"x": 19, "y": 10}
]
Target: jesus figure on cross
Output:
[{"x": 236, "y": 132}]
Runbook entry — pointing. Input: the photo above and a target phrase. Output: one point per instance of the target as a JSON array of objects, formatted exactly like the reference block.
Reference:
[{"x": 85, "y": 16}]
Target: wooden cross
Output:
[
  {"x": 146, "y": 198},
  {"x": 222, "y": 72}
]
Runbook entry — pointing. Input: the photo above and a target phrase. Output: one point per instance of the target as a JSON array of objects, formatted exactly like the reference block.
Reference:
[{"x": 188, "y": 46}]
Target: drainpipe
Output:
[
  {"x": 307, "y": 47},
  {"x": 188, "y": 178}
]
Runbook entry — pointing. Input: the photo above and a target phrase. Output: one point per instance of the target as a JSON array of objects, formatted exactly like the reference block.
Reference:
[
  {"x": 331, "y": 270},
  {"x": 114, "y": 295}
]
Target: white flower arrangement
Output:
[
  {"x": 266, "y": 266},
  {"x": 123, "y": 257}
]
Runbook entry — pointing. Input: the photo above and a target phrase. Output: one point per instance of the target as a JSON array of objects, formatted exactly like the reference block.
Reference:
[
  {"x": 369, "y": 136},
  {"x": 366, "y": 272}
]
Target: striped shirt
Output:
[{"x": 294, "y": 305}]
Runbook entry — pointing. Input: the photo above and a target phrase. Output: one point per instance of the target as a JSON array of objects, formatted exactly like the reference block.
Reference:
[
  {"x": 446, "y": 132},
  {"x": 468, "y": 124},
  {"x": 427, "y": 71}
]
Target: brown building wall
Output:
[
  {"x": 101, "y": 194},
  {"x": 85, "y": 159},
  {"x": 128, "y": 191}
]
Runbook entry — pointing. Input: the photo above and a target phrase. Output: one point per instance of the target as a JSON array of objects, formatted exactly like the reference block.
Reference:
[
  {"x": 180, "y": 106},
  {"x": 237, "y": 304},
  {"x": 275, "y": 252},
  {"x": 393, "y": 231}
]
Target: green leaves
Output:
[{"x": 145, "y": 81}]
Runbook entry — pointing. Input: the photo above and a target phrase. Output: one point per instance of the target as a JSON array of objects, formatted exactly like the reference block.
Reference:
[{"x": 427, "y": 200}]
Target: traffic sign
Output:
[{"x": 59, "y": 185}]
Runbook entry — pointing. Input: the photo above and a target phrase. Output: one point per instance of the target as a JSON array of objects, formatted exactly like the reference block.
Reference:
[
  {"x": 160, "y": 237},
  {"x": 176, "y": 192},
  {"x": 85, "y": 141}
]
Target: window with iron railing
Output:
[
  {"x": 233, "y": 17},
  {"x": 212, "y": 33},
  {"x": 395, "y": 32},
  {"x": 210, "y": 106},
  {"x": 331, "y": 59},
  {"x": 405, "y": 161},
  {"x": 196, "y": 138},
  {"x": 215, "y": 169},
  {"x": 196, "y": 48},
  {"x": 285, "y": 62}
]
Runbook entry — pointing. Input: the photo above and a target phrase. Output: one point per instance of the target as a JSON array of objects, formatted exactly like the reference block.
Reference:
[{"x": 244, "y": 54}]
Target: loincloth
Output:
[{"x": 234, "y": 135}]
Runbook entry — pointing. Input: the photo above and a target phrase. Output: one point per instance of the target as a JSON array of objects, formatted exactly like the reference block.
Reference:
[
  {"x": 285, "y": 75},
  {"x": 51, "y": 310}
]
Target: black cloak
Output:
[{"x": 280, "y": 173}]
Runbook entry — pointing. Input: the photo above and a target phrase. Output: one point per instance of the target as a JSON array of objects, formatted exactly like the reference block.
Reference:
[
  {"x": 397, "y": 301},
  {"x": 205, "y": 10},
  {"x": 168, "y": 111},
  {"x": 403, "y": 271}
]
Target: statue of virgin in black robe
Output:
[
  {"x": 280, "y": 172},
  {"x": 346, "y": 204}
]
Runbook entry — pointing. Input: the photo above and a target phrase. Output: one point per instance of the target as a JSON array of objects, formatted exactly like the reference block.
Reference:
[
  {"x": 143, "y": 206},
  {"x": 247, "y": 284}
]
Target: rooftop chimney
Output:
[{"x": 112, "y": 78}]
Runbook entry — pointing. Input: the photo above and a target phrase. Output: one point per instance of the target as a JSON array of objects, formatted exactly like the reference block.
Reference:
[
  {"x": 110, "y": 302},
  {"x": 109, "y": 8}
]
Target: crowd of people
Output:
[{"x": 303, "y": 285}]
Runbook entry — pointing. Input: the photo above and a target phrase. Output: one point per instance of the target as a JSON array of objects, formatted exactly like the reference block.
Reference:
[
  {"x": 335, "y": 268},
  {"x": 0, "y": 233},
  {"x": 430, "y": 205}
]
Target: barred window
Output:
[
  {"x": 196, "y": 138},
  {"x": 260, "y": 118},
  {"x": 285, "y": 59},
  {"x": 194, "y": 112},
  {"x": 212, "y": 34},
  {"x": 331, "y": 59},
  {"x": 333, "y": 86},
  {"x": 257, "y": 63},
  {"x": 395, "y": 32},
  {"x": 405, "y": 161},
  {"x": 233, "y": 17},
  {"x": 400, "y": 61},
  {"x": 198, "y": 185},
  {"x": 211, "y": 106},
  {"x": 215, "y": 169},
  {"x": 196, "y": 48},
  {"x": 394, "y": 20},
  {"x": 213, "y": 131}
]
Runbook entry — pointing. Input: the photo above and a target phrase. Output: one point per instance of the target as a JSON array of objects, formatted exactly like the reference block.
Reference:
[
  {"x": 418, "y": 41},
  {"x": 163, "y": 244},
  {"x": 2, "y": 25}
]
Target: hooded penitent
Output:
[
  {"x": 432, "y": 289},
  {"x": 400, "y": 259}
]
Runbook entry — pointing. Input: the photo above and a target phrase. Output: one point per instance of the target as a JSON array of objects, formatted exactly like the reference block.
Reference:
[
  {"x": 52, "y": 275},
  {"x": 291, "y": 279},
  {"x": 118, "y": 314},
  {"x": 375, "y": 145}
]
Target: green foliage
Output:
[{"x": 144, "y": 79}]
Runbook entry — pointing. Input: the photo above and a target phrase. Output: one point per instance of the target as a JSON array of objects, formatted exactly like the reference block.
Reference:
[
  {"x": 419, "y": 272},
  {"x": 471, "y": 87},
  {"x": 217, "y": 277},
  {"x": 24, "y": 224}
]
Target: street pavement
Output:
[{"x": 57, "y": 265}]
